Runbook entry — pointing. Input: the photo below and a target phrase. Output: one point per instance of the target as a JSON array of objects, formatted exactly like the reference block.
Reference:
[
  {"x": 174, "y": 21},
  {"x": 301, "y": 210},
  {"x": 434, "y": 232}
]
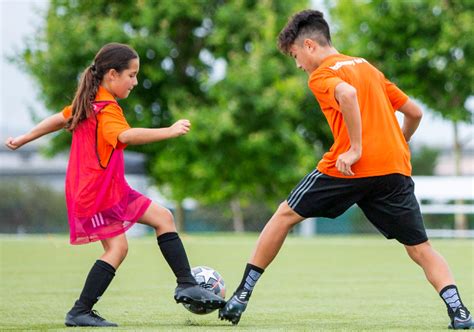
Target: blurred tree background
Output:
[{"x": 256, "y": 128}]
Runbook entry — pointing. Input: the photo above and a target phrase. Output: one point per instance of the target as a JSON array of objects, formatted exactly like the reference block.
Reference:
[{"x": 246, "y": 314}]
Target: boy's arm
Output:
[
  {"x": 412, "y": 117},
  {"x": 137, "y": 136},
  {"x": 346, "y": 96},
  {"x": 48, "y": 125}
]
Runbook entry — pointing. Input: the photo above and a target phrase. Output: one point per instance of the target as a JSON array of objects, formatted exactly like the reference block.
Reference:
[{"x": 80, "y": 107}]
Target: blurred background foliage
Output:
[
  {"x": 251, "y": 140},
  {"x": 29, "y": 207},
  {"x": 425, "y": 46},
  {"x": 256, "y": 128}
]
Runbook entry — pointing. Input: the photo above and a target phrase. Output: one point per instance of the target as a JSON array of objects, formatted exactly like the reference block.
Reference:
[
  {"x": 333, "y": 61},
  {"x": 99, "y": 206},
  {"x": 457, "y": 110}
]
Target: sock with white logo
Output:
[
  {"x": 97, "y": 281},
  {"x": 451, "y": 298},
  {"x": 251, "y": 275}
]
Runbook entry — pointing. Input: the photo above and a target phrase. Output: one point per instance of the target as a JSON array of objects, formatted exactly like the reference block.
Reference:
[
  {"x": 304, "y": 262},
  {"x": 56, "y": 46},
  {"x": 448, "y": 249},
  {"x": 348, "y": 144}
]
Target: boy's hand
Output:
[
  {"x": 180, "y": 127},
  {"x": 346, "y": 160},
  {"x": 14, "y": 143}
]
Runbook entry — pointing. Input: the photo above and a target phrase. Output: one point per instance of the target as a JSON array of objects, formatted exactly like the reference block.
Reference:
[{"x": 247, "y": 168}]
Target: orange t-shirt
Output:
[
  {"x": 111, "y": 123},
  {"x": 384, "y": 149}
]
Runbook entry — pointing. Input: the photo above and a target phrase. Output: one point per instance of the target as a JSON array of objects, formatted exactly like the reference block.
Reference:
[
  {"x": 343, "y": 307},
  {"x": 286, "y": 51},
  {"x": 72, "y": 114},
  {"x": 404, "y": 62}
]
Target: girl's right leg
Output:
[
  {"x": 187, "y": 291},
  {"x": 98, "y": 279},
  {"x": 115, "y": 250}
]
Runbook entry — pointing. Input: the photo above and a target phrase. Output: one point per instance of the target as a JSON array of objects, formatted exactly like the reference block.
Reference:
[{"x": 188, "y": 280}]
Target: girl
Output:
[{"x": 101, "y": 205}]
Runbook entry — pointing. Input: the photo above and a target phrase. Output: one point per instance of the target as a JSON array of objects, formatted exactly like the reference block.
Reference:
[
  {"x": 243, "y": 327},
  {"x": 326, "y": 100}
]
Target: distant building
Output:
[{"x": 29, "y": 162}]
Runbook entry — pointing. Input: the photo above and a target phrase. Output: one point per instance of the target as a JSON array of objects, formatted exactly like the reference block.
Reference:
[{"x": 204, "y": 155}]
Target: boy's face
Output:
[
  {"x": 125, "y": 81},
  {"x": 304, "y": 55}
]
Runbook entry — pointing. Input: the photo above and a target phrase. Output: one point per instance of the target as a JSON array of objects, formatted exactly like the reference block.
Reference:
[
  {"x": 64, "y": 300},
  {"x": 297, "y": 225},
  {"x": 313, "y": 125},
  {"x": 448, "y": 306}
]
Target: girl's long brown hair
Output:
[{"x": 111, "y": 56}]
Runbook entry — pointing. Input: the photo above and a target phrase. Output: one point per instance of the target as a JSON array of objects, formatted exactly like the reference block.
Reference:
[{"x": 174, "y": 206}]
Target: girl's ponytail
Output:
[
  {"x": 112, "y": 56},
  {"x": 85, "y": 95}
]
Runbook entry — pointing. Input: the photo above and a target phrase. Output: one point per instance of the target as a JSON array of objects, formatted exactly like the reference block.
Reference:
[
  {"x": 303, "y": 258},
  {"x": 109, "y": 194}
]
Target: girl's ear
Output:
[{"x": 112, "y": 74}]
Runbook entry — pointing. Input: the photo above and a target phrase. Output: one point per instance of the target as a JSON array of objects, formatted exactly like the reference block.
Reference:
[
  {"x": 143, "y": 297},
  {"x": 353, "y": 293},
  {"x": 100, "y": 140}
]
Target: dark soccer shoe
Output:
[
  {"x": 461, "y": 320},
  {"x": 198, "y": 296},
  {"x": 235, "y": 307},
  {"x": 90, "y": 318}
]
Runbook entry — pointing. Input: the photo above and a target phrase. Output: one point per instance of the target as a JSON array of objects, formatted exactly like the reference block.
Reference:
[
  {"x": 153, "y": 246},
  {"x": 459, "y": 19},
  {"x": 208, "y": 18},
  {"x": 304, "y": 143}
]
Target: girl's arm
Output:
[
  {"x": 137, "y": 136},
  {"x": 48, "y": 125}
]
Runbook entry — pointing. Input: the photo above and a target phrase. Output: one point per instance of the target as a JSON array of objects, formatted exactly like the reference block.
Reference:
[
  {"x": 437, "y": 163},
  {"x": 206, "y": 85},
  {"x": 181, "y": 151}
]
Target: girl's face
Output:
[{"x": 122, "y": 83}]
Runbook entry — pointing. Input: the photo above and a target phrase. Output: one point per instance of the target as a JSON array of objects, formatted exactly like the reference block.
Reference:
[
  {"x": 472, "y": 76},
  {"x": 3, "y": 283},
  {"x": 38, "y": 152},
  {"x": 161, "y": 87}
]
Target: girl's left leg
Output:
[{"x": 173, "y": 251}]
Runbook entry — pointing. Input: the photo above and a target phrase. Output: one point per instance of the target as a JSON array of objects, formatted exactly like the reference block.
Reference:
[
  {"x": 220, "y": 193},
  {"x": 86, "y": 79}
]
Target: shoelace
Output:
[{"x": 95, "y": 314}]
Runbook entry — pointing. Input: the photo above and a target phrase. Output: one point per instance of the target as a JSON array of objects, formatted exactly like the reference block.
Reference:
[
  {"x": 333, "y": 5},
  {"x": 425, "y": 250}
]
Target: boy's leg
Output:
[
  {"x": 268, "y": 245},
  {"x": 433, "y": 264},
  {"x": 392, "y": 207},
  {"x": 97, "y": 281},
  {"x": 317, "y": 194},
  {"x": 273, "y": 235},
  {"x": 187, "y": 290},
  {"x": 439, "y": 275}
]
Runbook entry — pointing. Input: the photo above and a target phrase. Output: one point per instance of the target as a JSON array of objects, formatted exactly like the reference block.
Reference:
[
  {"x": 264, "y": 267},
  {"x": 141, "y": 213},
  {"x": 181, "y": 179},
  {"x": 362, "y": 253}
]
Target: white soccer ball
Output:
[{"x": 209, "y": 279}]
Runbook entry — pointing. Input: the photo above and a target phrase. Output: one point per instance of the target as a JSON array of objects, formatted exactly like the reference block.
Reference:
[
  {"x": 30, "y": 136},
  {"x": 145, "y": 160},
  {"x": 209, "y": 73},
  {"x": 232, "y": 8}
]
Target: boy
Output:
[{"x": 368, "y": 164}]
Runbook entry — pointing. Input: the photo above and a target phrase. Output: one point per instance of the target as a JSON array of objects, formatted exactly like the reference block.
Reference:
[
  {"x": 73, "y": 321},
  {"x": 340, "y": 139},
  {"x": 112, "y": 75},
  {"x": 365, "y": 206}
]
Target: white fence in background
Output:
[
  {"x": 443, "y": 195},
  {"x": 443, "y": 192}
]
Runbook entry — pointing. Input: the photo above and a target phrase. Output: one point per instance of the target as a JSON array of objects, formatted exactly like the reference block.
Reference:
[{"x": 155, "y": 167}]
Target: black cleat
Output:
[
  {"x": 90, "y": 318},
  {"x": 199, "y": 297},
  {"x": 461, "y": 320},
  {"x": 235, "y": 306}
]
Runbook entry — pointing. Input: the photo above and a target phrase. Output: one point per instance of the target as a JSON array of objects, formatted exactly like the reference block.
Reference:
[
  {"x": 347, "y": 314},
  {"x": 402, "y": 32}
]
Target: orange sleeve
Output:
[
  {"x": 397, "y": 97},
  {"x": 112, "y": 123},
  {"x": 67, "y": 111},
  {"x": 323, "y": 85}
]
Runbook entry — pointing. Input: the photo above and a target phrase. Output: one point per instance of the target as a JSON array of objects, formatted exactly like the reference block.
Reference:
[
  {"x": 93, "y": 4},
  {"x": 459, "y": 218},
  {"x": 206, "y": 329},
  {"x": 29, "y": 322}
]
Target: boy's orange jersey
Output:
[
  {"x": 111, "y": 122},
  {"x": 384, "y": 149}
]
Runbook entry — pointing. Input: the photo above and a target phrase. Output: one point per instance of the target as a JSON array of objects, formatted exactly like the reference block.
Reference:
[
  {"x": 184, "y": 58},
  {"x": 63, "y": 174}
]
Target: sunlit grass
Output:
[{"x": 322, "y": 283}]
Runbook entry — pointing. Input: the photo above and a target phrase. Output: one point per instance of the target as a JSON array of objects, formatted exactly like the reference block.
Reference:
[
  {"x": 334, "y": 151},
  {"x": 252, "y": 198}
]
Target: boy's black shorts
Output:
[{"x": 388, "y": 201}]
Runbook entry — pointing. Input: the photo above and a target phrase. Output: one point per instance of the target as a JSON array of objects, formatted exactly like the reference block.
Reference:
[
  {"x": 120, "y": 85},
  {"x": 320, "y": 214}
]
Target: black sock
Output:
[
  {"x": 173, "y": 250},
  {"x": 97, "y": 281},
  {"x": 251, "y": 275},
  {"x": 451, "y": 298}
]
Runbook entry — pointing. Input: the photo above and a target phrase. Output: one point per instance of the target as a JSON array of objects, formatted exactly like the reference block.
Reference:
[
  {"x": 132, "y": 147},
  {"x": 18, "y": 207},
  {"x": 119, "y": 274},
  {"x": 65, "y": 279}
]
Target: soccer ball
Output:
[{"x": 210, "y": 279}]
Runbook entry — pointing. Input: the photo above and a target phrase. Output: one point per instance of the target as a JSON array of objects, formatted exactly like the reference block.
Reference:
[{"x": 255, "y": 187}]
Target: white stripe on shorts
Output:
[
  {"x": 101, "y": 219},
  {"x": 301, "y": 185},
  {"x": 299, "y": 192}
]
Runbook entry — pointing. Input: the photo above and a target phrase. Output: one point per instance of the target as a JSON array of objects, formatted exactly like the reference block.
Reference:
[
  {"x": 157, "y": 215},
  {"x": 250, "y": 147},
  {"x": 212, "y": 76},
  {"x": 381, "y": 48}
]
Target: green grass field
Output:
[{"x": 322, "y": 283}]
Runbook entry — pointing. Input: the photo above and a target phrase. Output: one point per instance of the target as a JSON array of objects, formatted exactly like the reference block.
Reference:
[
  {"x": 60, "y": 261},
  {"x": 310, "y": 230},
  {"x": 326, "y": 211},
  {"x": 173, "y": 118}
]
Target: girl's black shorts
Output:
[{"x": 388, "y": 201}]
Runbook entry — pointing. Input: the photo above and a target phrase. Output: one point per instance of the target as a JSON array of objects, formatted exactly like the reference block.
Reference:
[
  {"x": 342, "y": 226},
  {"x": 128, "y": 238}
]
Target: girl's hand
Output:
[
  {"x": 14, "y": 143},
  {"x": 180, "y": 127}
]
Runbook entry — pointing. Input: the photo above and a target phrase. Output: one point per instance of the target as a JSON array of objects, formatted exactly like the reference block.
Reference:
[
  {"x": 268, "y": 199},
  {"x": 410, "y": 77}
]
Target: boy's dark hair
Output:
[
  {"x": 305, "y": 24},
  {"x": 111, "y": 56}
]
